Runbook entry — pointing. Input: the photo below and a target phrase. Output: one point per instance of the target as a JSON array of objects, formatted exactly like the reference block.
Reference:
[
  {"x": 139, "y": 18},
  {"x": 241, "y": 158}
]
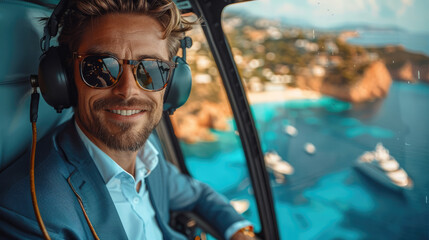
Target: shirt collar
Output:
[{"x": 147, "y": 159}]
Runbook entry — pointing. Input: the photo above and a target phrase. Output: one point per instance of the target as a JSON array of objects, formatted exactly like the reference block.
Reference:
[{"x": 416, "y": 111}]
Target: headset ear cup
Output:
[
  {"x": 179, "y": 87},
  {"x": 54, "y": 81}
]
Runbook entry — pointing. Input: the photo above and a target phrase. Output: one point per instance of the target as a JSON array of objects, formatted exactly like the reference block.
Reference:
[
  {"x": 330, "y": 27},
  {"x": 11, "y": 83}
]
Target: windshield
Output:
[{"x": 339, "y": 91}]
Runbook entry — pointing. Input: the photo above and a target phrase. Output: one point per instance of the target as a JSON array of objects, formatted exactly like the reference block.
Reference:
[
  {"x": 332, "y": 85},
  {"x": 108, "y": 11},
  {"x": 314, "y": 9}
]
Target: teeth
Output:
[{"x": 126, "y": 112}]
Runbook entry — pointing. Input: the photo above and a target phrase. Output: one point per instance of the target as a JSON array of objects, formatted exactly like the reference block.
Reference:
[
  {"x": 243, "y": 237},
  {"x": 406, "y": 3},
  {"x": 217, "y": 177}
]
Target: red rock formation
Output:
[
  {"x": 411, "y": 72},
  {"x": 405, "y": 73},
  {"x": 192, "y": 122},
  {"x": 374, "y": 83}
]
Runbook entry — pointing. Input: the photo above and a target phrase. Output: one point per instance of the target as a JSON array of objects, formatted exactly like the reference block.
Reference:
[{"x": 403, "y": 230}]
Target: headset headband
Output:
[
  {"x": 56, "y": 82},
  {"x": 51, "y": 28}
]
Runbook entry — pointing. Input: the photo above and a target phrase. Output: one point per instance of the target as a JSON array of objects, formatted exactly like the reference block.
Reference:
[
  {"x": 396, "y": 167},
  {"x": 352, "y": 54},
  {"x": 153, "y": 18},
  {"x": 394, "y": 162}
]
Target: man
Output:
[{"x": 100, "y": 175}]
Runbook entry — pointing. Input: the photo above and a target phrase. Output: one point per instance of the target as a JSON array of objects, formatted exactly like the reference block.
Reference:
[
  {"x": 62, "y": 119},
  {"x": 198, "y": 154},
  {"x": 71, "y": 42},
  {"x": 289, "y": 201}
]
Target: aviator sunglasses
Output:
[{"x": 104, "y": 71}]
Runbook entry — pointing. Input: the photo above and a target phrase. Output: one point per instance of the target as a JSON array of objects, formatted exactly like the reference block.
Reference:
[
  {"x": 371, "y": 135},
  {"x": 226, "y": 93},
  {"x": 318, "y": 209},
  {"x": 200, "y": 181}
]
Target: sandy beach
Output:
[{"x": 281, "y": 95}]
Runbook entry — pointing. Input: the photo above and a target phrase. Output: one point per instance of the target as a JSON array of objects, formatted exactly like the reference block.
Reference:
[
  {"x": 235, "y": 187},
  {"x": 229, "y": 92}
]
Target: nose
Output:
[{"x": 127, "y": 86}]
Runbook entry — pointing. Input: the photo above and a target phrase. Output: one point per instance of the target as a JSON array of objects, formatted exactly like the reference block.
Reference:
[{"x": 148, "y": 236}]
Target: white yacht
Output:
[
  {"x": 241, "y": 206},
  {"x": 382, "y": 167},
  {"x": 291, "y": 130},
  {"x": 309, "y": 148},
  {"x": 278, "y": 166}
]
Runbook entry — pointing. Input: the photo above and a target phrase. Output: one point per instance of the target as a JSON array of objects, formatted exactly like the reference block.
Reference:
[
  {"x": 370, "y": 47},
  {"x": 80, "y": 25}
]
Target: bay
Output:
[{"x": 326, "y": 197}]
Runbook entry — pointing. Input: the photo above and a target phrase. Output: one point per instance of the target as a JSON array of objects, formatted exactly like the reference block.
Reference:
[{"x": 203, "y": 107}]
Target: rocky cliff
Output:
[
  {"x": 373, "y": 84},
  {"x": 411, "y": 72},
  {"x": 192, "y": 123},
  {"x": 208, "y": 106},
  {"x": 404, "y": 65}
]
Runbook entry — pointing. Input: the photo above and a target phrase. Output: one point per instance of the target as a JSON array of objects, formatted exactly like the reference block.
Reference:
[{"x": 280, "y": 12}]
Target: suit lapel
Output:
[
  {"x": 88, "y": 184},
  {"x": 155, "y": 201}
]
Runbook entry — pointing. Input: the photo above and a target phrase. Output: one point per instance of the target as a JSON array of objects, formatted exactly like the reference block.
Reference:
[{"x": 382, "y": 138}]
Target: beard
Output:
[{"x": 120, "y": 136}]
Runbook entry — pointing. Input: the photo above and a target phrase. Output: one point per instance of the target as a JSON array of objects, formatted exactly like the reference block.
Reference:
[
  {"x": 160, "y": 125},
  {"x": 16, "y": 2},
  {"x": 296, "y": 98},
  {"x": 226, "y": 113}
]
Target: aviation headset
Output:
[{"x": 56, "y": 80}]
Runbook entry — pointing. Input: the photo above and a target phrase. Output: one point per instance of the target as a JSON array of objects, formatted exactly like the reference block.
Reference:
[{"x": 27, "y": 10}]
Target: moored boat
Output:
[
  {"x": 279, "y": 167},
  {"x": 274, "y": 162},
  {"x": 383, "y": 168},
  {"x": 241, "y": 206},
  {"x": 309, "y": 148},
  {"x": 291, "y": 130}
]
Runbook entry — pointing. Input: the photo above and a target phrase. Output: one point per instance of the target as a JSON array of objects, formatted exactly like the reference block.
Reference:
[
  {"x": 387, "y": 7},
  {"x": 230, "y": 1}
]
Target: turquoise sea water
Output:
[{"x": 326, "y": 198}]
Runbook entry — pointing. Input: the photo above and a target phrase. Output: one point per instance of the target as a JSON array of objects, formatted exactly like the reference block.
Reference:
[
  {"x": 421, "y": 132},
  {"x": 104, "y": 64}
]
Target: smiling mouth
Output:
[{"x": 126, "y": 112}]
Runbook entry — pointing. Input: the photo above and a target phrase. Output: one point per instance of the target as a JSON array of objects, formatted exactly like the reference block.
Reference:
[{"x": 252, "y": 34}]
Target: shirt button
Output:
[{"x": 136, "y": 200}]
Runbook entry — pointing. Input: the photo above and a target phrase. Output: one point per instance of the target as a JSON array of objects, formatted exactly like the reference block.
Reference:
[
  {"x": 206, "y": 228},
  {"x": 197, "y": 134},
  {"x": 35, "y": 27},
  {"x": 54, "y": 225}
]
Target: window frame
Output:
[{"x": 210, "y": 12}]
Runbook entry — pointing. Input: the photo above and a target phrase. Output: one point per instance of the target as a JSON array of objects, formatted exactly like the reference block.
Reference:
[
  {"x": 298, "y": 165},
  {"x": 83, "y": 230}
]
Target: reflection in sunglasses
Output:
[
  {"x": 144, "y": 76},
  {"x": 105, "y": 71},
  {"x": 101, "y": 72}
]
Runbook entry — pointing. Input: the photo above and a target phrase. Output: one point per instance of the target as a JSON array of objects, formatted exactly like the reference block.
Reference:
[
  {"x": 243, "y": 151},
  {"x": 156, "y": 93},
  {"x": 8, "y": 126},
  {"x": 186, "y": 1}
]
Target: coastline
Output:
[{"x": 282, "y": 95}]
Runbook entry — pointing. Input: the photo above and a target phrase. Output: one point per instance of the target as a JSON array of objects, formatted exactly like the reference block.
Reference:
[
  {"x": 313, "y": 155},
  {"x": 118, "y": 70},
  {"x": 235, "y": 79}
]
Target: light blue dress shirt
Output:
[{"x": 134, "y": 208}]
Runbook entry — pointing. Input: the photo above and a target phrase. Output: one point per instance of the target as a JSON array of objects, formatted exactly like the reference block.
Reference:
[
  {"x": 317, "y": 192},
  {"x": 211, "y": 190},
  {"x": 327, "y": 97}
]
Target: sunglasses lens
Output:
[
  {"x": 100, "y": 71},
  {"x": 152, "y": 75}
]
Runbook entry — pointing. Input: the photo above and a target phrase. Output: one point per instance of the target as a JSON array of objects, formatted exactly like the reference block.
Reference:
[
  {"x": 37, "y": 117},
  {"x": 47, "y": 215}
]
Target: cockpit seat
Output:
[{"x": 21, "y": 30}]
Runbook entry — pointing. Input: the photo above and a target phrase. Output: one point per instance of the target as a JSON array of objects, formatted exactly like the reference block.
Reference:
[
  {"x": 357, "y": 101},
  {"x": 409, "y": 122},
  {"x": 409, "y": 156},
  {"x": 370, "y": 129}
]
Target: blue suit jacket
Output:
[{"x": 62, "y": 163}]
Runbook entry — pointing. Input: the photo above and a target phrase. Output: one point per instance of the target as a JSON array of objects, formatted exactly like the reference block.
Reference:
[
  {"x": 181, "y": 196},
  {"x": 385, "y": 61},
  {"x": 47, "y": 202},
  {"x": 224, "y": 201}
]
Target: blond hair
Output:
[{"x": 82, "y": 12}]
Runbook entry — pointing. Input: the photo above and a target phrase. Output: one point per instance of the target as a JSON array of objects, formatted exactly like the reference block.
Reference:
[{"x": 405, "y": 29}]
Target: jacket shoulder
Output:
[{"x": 56, "y": 200}]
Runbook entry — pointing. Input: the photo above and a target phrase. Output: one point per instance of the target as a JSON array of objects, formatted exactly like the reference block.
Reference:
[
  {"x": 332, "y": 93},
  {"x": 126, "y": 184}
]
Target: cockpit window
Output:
[
  {"x": 339, "y": 92},
  {"x": 206, "y": 130}
]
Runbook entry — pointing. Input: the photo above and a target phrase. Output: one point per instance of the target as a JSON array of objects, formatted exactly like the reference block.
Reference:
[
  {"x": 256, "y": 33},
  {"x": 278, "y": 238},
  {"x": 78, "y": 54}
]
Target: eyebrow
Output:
[
  {"x": 98, "y": 50},
  {"x": 155, "y": 56}
]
